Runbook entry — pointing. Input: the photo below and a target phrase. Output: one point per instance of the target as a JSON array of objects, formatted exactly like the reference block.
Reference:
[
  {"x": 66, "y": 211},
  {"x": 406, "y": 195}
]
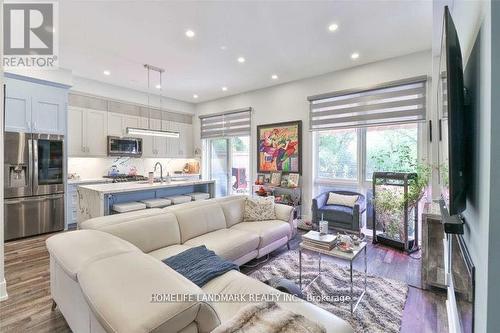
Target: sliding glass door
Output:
[{"x": 228, "y": 161}]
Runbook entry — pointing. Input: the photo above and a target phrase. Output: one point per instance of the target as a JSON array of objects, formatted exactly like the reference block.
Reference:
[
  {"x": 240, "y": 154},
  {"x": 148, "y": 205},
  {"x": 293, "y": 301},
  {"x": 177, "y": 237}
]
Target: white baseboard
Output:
[{"x": 3, "y": 290}]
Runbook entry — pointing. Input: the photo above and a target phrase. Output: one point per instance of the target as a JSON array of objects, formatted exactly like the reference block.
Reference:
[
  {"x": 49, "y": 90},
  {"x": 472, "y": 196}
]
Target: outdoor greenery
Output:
[
  {"x": 390, "y": 148},
  {"x": 390, "y": 202},
  {"x": 337, "y": 155}
]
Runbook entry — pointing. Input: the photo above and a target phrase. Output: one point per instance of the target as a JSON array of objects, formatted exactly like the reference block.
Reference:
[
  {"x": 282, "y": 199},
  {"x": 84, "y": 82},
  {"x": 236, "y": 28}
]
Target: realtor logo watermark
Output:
[{"x": 30, "y": 31}]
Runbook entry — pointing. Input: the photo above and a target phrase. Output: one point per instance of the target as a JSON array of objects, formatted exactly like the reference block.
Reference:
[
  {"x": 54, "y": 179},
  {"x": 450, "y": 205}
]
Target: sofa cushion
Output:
[
  {"x": 123, "y": 300},
  {"x": 98, "y": 222},
  {"x": 199, "y": 220},
  {"x": 166, "y": 252},
  {"x": 268, "y": 231},
  {"x": 148, "y": 233},
  {"x": 336, "y": 213},
  {"x": 233, "y": 208},
  {"x": 92, "y": 245},
  {"x": 230, "y": 244},
  {"x": 259, "y": 209},
  {"x": 234, "y": 282}
]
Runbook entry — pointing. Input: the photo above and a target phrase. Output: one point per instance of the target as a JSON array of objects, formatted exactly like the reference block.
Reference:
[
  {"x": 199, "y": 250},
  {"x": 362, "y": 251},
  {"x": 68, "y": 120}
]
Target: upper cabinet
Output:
[
  {"x": 34, "y": 107},
  {"x": 93, "y": 119},
  {"x": 87, "y": 131}
]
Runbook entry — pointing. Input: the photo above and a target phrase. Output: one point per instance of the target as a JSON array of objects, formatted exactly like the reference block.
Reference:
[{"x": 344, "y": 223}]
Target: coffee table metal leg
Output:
[
  {"x": 300, "y": 269},
  {"x": 365, "y": 268},
  {"x": 350, "y": 300},
  {"x": 319, "y": 266}
]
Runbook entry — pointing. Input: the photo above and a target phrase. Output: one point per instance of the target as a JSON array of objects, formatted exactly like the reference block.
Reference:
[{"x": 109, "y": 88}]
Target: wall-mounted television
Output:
[{"x": 452, "y": 114}]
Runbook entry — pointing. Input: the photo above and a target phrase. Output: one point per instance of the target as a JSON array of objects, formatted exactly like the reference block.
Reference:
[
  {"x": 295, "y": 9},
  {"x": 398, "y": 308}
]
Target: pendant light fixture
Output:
[{"x": 149, "y": 131}]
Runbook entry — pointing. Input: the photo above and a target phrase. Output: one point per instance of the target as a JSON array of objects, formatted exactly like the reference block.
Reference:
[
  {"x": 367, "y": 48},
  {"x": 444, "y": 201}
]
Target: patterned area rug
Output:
[{"x": 380, "y": 310}]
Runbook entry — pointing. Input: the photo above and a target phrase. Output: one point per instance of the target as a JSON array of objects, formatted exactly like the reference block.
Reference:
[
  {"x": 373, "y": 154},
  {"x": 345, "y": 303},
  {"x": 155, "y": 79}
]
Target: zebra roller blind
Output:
[
  {"x": 226, "y": 124},
  {"x": 395, "y": 102}
]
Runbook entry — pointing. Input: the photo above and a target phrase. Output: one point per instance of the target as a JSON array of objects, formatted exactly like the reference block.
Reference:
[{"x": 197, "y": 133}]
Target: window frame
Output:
[{"x": 361, "y": 182}]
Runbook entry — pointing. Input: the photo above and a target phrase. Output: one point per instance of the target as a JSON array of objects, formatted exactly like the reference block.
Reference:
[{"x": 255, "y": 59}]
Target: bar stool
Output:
[
  {"x": 128, "y": 207},
  {"x": 157, "y": 203}
]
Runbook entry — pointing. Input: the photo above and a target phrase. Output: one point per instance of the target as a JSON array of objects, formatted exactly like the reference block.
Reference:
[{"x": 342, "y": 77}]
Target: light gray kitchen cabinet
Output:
[
  {"x": 87, "y": 131},
  {"x": 118, "y": 123},
  {"x": 152, "y": 146},
  {"x": 35, "y": 107}
]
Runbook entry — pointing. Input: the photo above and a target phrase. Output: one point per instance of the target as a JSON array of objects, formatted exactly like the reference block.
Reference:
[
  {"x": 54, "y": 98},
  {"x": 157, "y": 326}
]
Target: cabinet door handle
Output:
[
  {"x": 34, "y": 125},
  {"x": 28, "y": 125},
  {"x": 83, "y": 149}
]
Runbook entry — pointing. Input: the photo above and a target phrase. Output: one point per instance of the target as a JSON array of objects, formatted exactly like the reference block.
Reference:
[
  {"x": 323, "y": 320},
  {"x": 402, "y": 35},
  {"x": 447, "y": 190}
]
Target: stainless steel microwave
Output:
[{"x": 124, "y": 146}]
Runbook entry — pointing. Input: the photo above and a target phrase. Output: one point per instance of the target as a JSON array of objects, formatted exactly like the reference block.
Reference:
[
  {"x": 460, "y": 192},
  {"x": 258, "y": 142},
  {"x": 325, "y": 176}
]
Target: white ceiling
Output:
[{"x": 289, "y": 38}]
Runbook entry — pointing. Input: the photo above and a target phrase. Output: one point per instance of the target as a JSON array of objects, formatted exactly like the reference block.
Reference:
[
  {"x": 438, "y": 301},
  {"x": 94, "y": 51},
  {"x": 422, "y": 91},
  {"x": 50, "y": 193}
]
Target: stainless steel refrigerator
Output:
[{"x": 33, "y": 184}]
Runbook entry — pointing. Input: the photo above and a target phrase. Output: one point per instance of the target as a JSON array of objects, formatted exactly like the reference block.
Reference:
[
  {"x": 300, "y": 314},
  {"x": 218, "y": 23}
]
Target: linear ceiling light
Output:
[{"x": 151, "y": 132}]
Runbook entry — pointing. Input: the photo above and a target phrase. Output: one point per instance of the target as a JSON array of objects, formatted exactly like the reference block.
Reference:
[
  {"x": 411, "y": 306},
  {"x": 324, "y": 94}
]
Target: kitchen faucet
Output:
[{"x": 161, "y": 170}]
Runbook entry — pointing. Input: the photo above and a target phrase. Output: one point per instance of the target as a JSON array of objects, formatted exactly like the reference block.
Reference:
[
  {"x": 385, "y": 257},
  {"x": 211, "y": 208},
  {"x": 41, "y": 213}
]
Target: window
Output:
[
  {"x": 228, "y": 160},
  {"x": 391, "y": 148},
  {"x": 337, "y": 154},
  {"x": 341, "y": 154}
]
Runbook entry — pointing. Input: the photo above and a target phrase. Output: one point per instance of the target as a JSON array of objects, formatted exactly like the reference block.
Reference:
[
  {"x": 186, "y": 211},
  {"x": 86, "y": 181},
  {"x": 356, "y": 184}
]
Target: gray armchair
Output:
[{"x": 339, "y": 216}]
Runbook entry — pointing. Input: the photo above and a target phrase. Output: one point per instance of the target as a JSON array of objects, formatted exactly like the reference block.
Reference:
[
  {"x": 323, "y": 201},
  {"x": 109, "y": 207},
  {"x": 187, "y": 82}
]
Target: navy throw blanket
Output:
[{"x": 200, "y": 265}]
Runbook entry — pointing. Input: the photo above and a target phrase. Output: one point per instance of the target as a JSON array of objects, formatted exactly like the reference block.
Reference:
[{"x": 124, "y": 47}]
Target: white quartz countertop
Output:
[
  {"x": 89, "y": 181},
  {"x": 141, "y": 186}
]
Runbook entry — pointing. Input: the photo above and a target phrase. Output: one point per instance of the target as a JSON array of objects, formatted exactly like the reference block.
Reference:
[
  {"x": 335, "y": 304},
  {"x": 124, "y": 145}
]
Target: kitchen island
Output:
[{"x": 98, "y": 199}]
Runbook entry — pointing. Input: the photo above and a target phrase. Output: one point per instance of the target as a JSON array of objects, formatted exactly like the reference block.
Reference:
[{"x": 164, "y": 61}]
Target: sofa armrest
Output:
[
  {"x": 284, "y": 213},
  {"x": 318, "y": 202},
  {"x": 129, "y": 293}
]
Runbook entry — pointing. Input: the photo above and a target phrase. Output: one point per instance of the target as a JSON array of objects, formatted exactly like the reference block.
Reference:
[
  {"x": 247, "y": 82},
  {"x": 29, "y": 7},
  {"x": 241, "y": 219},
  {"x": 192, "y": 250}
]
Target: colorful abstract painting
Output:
[{"x": 279, "y": 147}]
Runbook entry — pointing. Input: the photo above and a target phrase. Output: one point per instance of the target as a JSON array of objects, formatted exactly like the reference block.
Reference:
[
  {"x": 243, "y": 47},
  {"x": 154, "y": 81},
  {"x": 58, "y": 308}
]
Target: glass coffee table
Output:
[{"x": 349, "y": 256}]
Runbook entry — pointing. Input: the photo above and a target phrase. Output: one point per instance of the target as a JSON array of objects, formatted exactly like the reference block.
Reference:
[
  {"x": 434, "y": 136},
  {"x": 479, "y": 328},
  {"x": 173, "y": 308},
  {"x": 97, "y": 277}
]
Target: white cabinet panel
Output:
[
  {"x": 147, "y": 141},
  {"x": 159, "y": 143},
  {"x": 87, "y": 132},
  {"x": 76, "y": 145},
  {"x": 17, "y": 111},
  {"x": 131, "y": 121},
  {"x": 96, "y": 126},
  {"x": 115, "y": 124},
  {"x": 48, "y": 115},
  {"x": 34, "y": 107},
  {"x": 187, "y": 141}
]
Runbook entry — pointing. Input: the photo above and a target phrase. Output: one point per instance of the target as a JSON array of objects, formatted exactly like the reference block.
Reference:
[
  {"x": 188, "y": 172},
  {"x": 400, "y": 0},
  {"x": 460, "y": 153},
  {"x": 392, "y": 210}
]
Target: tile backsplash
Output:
[{"x": 90, "y": 168}]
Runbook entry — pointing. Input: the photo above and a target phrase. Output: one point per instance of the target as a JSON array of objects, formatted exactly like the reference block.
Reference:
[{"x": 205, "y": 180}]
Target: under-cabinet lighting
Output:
[{"x": 151, "y": 132}]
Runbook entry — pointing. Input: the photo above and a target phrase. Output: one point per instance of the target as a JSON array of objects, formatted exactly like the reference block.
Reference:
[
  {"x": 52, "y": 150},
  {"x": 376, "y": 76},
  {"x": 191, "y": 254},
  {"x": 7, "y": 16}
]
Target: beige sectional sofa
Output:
[{"x": 108, "y": 276}]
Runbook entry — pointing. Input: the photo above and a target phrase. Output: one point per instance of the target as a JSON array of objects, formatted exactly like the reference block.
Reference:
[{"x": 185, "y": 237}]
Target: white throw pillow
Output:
[
  {"x": 342, "y": 200},
  {"x": 259, "y": 209}
]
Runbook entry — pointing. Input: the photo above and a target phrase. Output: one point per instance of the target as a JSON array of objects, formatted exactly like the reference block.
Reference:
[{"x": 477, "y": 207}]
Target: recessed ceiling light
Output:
[
  {"x": 224, "y": 88},
  {"x": 158, "y": 86},
  {"x": 195, "y": 96},
  {"x": 190, "y": 33},
  {"x": 355, "y": 56},
  {"x": 333, "y": 27},
  {"x": 274, "y": 77},
  {"x": 106, "y": 72},
  {"x": 241, "y": 60}
]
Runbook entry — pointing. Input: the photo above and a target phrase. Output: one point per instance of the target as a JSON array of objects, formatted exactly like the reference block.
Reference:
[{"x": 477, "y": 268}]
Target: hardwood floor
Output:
[{"x": 28, "y": 307}]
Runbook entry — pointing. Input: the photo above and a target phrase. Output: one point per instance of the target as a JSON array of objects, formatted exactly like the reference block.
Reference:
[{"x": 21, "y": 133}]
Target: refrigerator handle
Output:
[
  {"x": 35, "y": 165},
  {"x": 31, "y": 166}
]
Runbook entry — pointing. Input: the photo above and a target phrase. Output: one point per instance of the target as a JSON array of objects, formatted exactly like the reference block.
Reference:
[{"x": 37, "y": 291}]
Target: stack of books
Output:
[{"x": 321, "y": 241}]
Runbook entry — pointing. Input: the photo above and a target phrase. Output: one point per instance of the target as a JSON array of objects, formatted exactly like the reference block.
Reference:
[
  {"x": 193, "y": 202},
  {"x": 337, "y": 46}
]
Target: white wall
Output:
[{"x": 288, "y": 101}]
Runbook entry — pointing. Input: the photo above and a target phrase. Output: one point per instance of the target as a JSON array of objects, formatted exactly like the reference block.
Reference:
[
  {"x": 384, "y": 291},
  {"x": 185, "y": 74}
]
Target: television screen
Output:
[{"x": 452, "y": 114}]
